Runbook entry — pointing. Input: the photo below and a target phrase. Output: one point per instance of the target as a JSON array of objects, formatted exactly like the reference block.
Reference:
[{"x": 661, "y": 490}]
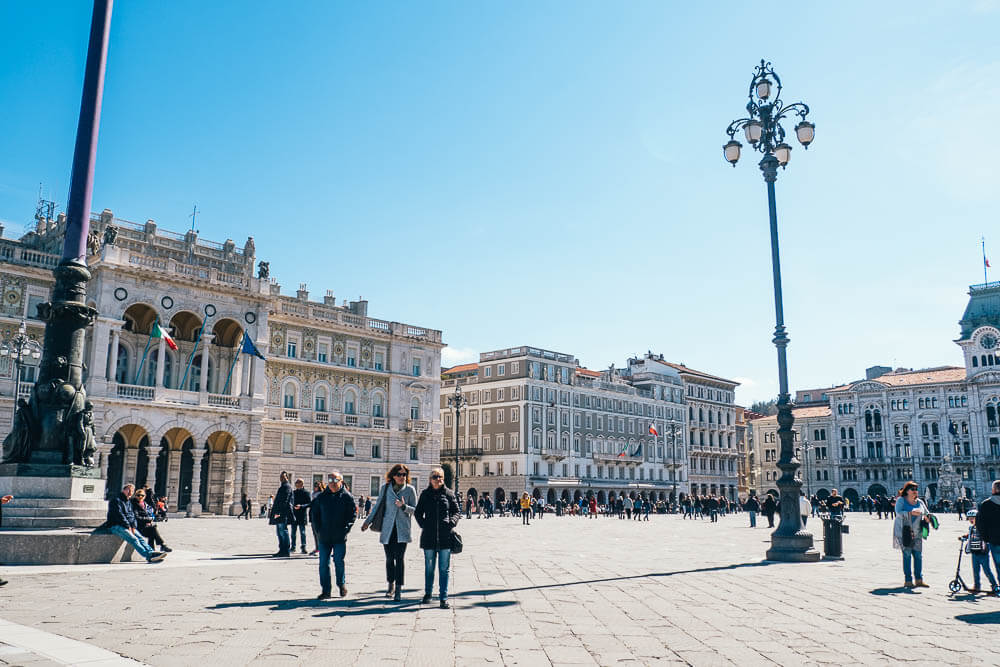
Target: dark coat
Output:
[
  {"x": 281, "y": 510},
  {"x": 988, "y": 520},
  {"x": 120, "y": 512},
  {"x": 302, "y": 498},
  {"x": 769, "y": 505},
  {"x": 437, "y": 514},
  {"x": 143, "y": 515},
  {"x": 333, "y": 515},
  {"x": 752, "y": 504}
]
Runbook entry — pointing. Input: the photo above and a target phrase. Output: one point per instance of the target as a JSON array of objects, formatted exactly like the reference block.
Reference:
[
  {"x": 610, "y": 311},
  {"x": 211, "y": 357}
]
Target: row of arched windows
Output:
[{"x": 349, "y": 404}]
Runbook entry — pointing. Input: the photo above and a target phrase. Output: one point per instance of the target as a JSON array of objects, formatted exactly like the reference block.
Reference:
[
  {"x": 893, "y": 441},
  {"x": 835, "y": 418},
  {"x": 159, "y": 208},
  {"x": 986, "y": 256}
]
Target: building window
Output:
[
  {"x": 501, "y": 371},
  {"x": 379, "y": 361},
  {"x": 513, "y": 443},
  {"x": 488, "y": 371},
  {"x": 352, "y": 356},
  {"x": 416, "y": 366},
  {"x": 515, "y": 366},
  {"x": 376, "y": 483},
  {"x": 349, "y": 482},
  {"x": 289, "y": 398},
  {"x": 321, "y": 399},
  {"x": 292, "y": 349},
  {"x": 348, "y": 446},
  {"x": 415, "y": 408},
  {"x": 317, "y": 445},
  {"x": 378, "y": 407},
  {"x": 350, "y": 402},
  {"x": 287, "y": 443},
  {"x": 376, "y": 449},
  {"x": 321, "y": 352},
  {"x": 413, "y": 454}
]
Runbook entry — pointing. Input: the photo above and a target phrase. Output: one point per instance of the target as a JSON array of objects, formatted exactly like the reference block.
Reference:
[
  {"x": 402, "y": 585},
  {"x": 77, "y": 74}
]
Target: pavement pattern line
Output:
[{"x": 56, "y": 648}]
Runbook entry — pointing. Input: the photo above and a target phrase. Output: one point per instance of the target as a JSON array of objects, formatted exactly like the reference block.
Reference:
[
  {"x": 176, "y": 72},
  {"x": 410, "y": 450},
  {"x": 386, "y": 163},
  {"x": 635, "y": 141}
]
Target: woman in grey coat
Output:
[{"x": 399, "y": 500}]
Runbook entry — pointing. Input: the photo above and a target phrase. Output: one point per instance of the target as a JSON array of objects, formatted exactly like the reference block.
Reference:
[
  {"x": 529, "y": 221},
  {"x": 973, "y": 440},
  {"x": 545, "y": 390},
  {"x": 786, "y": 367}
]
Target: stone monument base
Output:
[
  {"x": 62, "y": 547},
  {"x": 796, "y": 548},
  {"x": 49, "y": 496}
]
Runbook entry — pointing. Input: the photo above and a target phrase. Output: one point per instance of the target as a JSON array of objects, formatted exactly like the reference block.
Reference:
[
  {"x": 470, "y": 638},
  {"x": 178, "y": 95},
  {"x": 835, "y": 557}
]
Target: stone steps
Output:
[
  {"x": 45, "y": 503},
  {"x": 35, "y": 522}
]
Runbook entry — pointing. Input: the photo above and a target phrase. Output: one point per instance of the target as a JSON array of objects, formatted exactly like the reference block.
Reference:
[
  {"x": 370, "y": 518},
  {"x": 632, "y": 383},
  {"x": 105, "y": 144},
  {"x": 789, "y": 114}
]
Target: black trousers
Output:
[
  {"x": 394, "y": 552},
  {"x": 152, "y": 535}
]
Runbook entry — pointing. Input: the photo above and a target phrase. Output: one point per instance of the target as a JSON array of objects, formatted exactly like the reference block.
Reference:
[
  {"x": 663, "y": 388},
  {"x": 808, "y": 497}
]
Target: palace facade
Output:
[{"x": 208, "y": 423}]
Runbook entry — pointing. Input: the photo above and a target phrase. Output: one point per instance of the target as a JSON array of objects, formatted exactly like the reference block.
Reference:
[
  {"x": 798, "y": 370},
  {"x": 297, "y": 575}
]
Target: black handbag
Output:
[
  {"x": 456, "y": 543},
  {"x": 907, "y": 537},
  {"x": 379, "y": 515}
]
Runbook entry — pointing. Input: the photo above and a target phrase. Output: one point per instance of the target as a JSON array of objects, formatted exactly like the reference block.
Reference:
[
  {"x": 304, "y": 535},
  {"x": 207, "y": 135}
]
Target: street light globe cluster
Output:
[
  {"x": 20, "y": 346},
  {"x": 762, "y": 128}
]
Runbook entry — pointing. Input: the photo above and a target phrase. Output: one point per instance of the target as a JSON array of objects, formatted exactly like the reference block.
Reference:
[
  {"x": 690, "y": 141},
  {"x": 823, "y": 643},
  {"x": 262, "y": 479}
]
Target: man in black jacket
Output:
[
  {"x": 334, "y": 512},
  {"x": 121, "y": 521},
  {"x": 988, "y": 523},
  {"x": 300, "y": 505},
  {"x": 281, "y": 515}
]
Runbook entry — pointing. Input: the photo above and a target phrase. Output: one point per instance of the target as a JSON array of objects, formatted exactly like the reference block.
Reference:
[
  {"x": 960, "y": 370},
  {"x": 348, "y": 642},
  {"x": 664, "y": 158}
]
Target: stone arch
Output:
[
  {"x": 499, "y": 495},
  {"x": 227, "y": 332},
  {"x": 139, "y": 317},
  {"x": 144, "y": 424},
  {"x": 230, "y": 428},
  {"x": 186, "y": 325},
  {"x": 577, "y": 495},
  {"x": 550, "y": 496},
  {"x": 379, "y": 402},
  {"x": 601, "y": 498},
  {"x": 350, "y": 399},
  {"x": 536, "y": 493},
  {"x": 851, "y": 495},
  {"x": 293, "y": 383},
  {"x": 322, "y": 388}
]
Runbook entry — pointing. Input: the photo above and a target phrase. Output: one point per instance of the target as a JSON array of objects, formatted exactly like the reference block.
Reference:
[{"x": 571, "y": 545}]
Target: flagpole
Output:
[
  {"x": 191, "y": 358},
  {"x": 985, "y": 262},
  {"x": 146, "y": 351},
  {"x": 225, "y": 389}
]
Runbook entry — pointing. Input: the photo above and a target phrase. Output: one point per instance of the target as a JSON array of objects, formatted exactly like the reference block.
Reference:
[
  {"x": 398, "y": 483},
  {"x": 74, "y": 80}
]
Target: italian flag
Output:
[
  {"x": 160, "y": 333},
  {"x": 652, "y": 430}
]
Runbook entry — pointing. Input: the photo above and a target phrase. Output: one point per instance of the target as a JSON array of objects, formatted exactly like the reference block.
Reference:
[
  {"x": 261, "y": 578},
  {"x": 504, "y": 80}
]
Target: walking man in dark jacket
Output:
[
  {"x": 281, "y": 515},
  {"x": 988, "y": 523},
  {"x": 334, "y": 512},
  {"x": 769, "y": 507},
  {"x": 300, "y": 506},
  {"x": 121, "y": 521}
]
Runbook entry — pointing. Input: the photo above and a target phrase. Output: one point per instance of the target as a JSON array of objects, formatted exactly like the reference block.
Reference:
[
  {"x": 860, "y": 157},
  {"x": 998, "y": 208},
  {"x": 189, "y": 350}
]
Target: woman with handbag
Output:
[
  {"x": 907, "y": 534},
  {"x": 437, "y": 513},
  {"x": 391, "y": 517}
]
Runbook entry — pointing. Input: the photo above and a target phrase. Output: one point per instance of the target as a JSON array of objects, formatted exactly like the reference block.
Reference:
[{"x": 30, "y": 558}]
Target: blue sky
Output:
[{"x": 548, "y": 173}]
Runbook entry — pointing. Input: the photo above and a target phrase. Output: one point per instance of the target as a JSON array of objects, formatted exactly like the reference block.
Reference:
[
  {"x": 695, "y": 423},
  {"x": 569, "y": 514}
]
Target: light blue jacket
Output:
[{"x": 400, "y": 517}]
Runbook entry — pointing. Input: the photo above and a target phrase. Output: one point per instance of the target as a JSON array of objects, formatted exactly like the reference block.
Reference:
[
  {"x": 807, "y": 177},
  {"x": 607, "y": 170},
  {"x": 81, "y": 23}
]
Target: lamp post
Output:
[
  {"x": 805, "y": 465},
  {"x": 457, "y": 402},
  {"x": 763, "y": 129},
  {"x": 673, "y": 430},
  {"x": 58, "y": 397},
  {"x": 18, "y": 348}
]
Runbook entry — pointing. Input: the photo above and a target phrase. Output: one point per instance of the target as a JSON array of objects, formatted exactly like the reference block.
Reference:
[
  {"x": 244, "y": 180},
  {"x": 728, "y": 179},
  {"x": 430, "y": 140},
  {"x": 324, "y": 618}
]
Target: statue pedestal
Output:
[
  {"x": 62, "y": 547},
  {"x": 48, "y": 496}
]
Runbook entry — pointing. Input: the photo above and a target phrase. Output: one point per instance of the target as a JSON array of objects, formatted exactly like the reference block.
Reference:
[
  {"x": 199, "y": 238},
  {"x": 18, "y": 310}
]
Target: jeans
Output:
[
  {"x": 982, "y": 562},
  {"x": 283, "y": 541},
  {"x": 394, "y": 552},
  {"x": 918, "y": 564},
  {"x": 443, "y": 557},
  {"x": 524, "y": 516},
  {"x": 338, "y": 551},
  {"x": 301, "y": 529},
  {"x": 135, "y": 540},
  {"x": 753, "y": 518}
]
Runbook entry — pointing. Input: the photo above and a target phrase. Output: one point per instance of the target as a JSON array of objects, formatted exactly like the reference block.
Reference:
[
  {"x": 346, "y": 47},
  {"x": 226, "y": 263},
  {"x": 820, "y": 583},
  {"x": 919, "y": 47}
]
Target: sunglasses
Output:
[
  {"x": 437, "y": 476},
  {"x": 399, "y": 474}
]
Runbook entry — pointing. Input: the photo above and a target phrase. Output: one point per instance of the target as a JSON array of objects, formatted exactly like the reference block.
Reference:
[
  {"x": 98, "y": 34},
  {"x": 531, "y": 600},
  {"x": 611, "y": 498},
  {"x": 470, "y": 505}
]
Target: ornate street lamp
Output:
[
  {"x": 456, "y": 401},
  {"x": 763, "y": 129},
  {"x": 19, "y": 348}
]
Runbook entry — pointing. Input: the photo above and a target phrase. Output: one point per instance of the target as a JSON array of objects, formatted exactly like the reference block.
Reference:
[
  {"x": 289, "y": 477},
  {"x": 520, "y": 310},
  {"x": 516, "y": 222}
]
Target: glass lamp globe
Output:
[
  {"x": 764, "y": 89},
  {"x": 783, "y": 152},
  {"x": 806, "y": 132},
  {"x": 732, "y": 151},
  {"x": 753, "y": 131}
]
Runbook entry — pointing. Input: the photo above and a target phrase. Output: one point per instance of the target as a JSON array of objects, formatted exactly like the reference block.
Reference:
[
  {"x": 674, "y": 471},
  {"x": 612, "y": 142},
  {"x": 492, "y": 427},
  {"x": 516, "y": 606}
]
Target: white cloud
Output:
[{"x": 453, "y": 356}]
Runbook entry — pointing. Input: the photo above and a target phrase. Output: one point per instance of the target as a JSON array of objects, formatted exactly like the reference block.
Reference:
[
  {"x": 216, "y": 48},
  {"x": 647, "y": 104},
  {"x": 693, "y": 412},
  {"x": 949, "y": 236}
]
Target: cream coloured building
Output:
[{"x": 207, "y": 423}]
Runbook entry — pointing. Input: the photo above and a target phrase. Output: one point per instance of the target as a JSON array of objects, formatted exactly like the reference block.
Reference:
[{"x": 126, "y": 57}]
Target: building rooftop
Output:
[
  {"x": 681, "y": 368},
  {"x": 799, "y": 413},
  {"x": 460, "y": 369},
  {"x": 587, "y": 373}
]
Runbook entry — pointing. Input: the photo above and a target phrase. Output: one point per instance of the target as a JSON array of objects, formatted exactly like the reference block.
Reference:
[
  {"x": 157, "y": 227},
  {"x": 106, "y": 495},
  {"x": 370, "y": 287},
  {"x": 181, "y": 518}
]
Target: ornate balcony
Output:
[{"x": 418, "y": 426}]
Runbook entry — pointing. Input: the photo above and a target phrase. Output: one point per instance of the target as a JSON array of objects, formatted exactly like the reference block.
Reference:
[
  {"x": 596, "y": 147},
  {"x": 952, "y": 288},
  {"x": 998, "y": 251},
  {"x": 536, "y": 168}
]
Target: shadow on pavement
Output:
[
  {"x": 984, "y": 618},
  {"x": 893, "y": 591},
  {"x": 717, "y": 568}
]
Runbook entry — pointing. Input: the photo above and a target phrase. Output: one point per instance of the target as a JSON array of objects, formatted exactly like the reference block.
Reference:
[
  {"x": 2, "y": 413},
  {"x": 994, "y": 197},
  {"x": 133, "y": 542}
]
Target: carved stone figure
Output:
[
  {"x": 17, "y": 444},
  {"x": 110, "y": 235},
  {"x": 263, "y": 270},
  {"x": 93, "y": 242},
  {"x": 81, "y": 434}
]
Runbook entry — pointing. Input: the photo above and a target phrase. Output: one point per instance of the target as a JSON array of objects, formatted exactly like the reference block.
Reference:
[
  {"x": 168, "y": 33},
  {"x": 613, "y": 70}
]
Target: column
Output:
[
  {"x": 97, "y": 362},
  {"x": 194, "y": 506},
  {"x": 206, "y": 344},
  {"x": 154, "y": 455},
  {"x": 161, "y": 362},
  {"x": 128, "y": 473},
  {"x": 105, "y": 456},
  {"x": 245, "y": 375},
  {"x": 113, "y": 368},
  {"x": 234, "y": 465}
]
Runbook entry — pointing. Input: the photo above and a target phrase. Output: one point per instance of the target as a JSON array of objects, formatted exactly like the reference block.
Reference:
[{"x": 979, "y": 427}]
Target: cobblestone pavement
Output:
[{"x": 560, "y": 591}]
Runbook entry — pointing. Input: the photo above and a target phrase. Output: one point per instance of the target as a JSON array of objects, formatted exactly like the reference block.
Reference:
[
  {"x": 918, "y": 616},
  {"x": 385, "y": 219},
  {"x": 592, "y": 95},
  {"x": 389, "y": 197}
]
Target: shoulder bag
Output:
[
  {"x": 456, "y": 543},
  {"x": 379, "y": 514}
]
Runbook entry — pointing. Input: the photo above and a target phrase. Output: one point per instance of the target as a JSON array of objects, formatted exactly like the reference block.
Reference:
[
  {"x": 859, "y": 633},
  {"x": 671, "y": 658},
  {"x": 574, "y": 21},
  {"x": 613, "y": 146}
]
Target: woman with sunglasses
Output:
[
  {"x": 145, "y": 517},
  {"x": 399, "y": 500},
  {"x": 438, "y": 514}
]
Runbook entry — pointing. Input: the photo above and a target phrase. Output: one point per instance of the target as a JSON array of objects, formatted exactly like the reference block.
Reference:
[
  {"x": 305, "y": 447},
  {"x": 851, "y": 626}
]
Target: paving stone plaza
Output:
[{"x": 560, "y": 591}]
